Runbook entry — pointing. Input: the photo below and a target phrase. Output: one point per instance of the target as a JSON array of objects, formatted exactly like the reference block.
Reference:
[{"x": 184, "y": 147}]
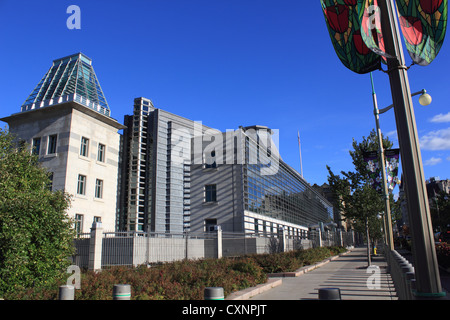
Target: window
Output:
[
  {"x": 52, "y": 140},
  {"x": 78, "y": 223},
  {"x": 99, "y": 188},
  {"x": 36, "y": 146},
  {"x": 97, "y": 219},
  {"x": 210, "y": 225},
  {"x": 81, "y": 188},
  {"x": 101, "y": 152},
  {"x": 210, "y": 193},
  {"x": 84, "y": 149}
]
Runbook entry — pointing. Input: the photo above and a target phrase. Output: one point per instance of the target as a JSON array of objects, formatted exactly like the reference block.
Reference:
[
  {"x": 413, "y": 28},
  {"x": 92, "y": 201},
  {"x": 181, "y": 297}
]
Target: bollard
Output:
[
  {"x": 121, "y": 292},
  {"x": 329, "y": 294},
  {"x": 66, "y": 293},
  {"x": 214, "y": 293}
]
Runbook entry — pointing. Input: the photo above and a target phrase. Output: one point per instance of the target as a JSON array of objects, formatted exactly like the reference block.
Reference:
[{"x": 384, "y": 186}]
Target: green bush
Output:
[
  {"x": 443, "y": 254},
  {"x": 183, "y": 280},
  {"x": 35, "y": 230}
]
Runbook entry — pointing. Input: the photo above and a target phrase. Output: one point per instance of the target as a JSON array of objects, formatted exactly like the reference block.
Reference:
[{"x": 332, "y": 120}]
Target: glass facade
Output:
[
  {"x": 282, "y": 194},
  {"x": 72, "y": 75}
]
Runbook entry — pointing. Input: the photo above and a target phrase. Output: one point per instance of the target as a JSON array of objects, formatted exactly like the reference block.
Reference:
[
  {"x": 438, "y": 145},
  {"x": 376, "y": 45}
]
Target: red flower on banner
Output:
[
  {"x": 351, "y": 2},
  {"x": 412, "y": 29},
  {"x": 338, "y": 17},
  {"x": 430, "y": 6},
  {"x": 359, "y": 43}
]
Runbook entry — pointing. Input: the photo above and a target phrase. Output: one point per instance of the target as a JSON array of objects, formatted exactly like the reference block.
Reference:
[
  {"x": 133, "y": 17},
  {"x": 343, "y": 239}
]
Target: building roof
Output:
[{"x": 70, "y": 78}]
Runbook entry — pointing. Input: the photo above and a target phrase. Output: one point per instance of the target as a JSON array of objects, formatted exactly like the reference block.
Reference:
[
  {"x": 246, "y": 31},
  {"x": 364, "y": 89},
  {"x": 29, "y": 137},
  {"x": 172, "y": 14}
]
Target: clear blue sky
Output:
[{"x": 226, "y": 63}]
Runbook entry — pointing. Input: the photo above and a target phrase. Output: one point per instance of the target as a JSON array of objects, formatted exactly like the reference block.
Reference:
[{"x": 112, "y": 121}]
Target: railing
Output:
[
  {"x": 402, "y": 273},
  {"x": 104, "y": 249}
]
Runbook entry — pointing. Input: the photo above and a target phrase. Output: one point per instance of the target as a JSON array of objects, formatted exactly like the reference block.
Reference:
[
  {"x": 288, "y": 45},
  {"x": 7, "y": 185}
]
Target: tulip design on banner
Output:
[
  {"x": 343, "y": 22},
  {"x": 371, "y": 27},
  {"x": 423, "y": 24},
  {"x": 355, "y": 31}
]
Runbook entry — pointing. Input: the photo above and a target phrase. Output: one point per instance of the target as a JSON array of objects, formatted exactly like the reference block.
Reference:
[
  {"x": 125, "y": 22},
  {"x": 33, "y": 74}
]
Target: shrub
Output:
[
  {"x": 183, "y": 280},
  {"x": 35, "y": 230},
  {"x": 443, "y": 254}
]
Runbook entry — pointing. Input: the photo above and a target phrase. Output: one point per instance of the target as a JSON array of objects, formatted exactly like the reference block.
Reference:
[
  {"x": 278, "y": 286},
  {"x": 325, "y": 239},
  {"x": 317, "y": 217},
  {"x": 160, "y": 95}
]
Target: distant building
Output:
[
  {"x": 435, "y": 185},
  {"x": 67, "y": 122},
  {"x": 327, "y": 193}
]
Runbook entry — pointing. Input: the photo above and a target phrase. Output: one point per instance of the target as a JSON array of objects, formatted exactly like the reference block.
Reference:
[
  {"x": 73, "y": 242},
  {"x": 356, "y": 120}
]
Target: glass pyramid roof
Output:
[{"x": 71, "y": 78}]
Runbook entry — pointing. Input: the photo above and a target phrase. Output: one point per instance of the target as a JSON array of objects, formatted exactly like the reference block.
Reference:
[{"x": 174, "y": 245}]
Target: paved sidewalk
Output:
[{"x": 349, "y": 273}]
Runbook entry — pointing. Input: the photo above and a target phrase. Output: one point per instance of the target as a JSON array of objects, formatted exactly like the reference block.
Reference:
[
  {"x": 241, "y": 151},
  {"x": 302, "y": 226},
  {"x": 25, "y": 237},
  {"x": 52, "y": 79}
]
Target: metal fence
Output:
[
  {"x": 402, "y": 273},
  {"x": 144, "y": 248}
]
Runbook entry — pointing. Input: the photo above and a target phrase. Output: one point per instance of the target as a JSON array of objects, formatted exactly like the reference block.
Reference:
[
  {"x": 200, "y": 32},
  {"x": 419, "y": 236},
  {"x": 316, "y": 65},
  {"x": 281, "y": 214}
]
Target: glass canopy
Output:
[{"x": 71, "y": 78}]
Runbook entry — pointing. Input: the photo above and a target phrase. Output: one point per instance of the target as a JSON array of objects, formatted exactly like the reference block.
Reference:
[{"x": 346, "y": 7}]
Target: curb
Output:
[
  {"x": 253, "y": 291},
  {"x": 274, "y": 280}
]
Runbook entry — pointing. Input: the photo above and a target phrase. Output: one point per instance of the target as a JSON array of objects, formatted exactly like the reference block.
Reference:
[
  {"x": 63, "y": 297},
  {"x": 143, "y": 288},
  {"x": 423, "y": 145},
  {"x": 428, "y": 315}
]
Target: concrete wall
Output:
[
  {"x": 227, "y": 210},
  {"x": 71, "y": 121},
  {"x": 88, "y": 205}
]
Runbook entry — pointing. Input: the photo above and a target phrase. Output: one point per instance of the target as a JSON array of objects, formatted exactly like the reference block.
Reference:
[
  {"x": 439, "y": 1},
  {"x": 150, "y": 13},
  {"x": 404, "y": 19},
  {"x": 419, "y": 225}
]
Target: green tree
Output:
[
  {"x": 36, "y": 235},
  {"x": 440, "y": 210},
  {"x": 353, "y": 193}
]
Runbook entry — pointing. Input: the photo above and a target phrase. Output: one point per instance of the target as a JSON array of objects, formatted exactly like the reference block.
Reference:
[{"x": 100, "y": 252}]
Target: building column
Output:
[{"x": 219, "y": 242}]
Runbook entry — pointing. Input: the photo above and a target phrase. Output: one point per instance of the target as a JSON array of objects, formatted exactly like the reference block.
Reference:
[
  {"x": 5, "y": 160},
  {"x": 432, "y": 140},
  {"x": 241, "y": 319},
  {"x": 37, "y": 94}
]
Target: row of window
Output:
[
  {"x": 84, "y": 149},
  {"x": 51, "y": 144},
  {"x": 52, "y": 141},
  {"x": 81, "y": 186}
]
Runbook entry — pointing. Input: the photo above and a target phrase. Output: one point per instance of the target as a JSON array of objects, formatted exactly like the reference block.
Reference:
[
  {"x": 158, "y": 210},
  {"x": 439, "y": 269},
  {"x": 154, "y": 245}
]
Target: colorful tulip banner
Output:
[
  {"x": 355, "y": 31},
  {"x": 423, "y": 24},
  {"x": 343, "y": 21},
  {"x": 371, "y": 27}
]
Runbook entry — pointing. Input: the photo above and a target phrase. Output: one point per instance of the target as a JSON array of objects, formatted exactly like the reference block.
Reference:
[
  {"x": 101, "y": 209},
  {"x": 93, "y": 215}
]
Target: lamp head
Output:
[{"x": 425, "y": 98}]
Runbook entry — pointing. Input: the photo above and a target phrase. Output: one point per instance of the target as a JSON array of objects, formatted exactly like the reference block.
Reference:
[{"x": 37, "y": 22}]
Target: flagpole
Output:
[{"x": 300, "y": 151}]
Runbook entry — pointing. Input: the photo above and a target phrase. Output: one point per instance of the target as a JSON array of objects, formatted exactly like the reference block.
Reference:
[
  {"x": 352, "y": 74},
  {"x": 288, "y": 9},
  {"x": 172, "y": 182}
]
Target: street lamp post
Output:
[
  {"x": 424, "y": 99},
  {"x": 428, "y": 282},
  {"x": 387, "y": 209}
]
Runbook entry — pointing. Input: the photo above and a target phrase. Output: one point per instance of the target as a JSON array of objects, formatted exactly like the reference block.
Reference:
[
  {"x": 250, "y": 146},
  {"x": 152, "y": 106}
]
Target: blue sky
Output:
[{"x": 226, "y": 63}]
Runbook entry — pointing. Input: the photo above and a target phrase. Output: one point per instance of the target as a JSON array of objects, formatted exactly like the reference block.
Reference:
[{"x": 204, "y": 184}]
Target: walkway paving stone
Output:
[{"x": 348, "y": 272}]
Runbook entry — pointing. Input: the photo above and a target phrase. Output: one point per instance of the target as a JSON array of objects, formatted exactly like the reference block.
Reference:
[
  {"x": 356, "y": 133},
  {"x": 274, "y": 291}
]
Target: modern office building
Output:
[
  {"x": 178, "y": 175},
  {"x": 243, "y": 185},
  {"x": 66, "y": 120},
  {"x": 155, "y": 178}
]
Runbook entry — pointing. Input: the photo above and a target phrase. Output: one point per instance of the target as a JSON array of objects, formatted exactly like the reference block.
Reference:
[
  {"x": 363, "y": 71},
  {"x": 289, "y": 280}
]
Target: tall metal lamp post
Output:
[
  {"x": 424, "y": 100},
  {"x": 428, "y": 284}
]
